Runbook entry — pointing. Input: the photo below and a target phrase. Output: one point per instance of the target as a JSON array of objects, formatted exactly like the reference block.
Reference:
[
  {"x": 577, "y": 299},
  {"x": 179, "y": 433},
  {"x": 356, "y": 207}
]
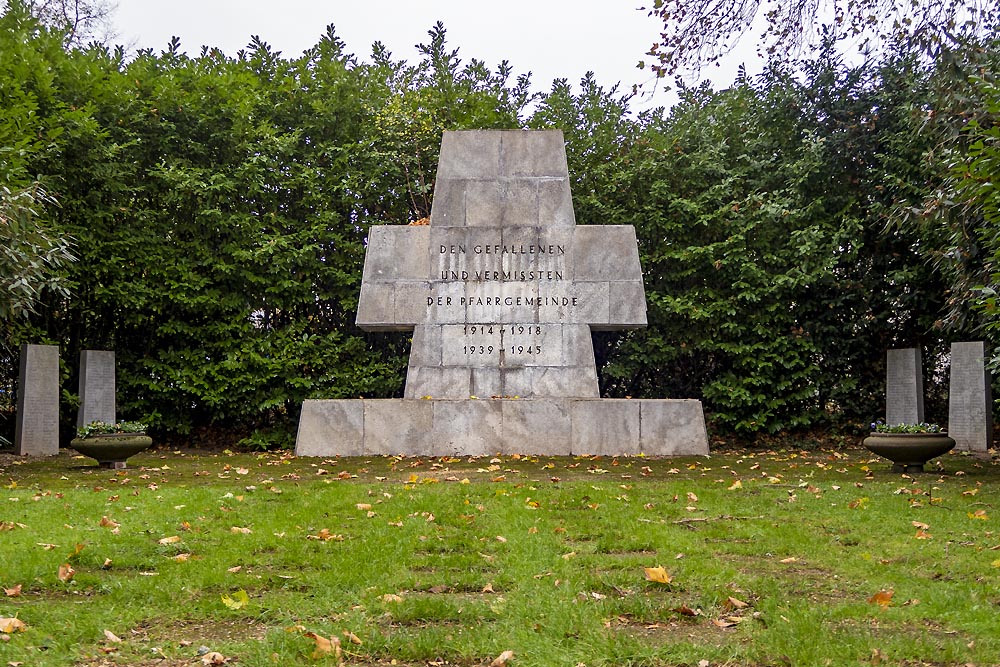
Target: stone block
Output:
[
  {"x": 396, "y": 252},
  {"x": 331, "y": 428},
  {"x": 426, "y": 346},
  {"x": 37, "y": 427},
  {"x": 520, "y": 203},
  {"x": 97, "y": 387},
  {"x": 449, "y": 205},
  {"x": 483, "y": 203},
  {"x": 627, "y": 304},
  {"x": 606, "y": 252},
  {"x": 970, "y": 400},
  {"x": 605, "y": 427},
  {"x": 376, "y": 308},
  {"x": 486, "y": 382},
  {"x": 469, "y": 154},
  {"x": 672, "y": 428},
  {"x": 534, "y": 154},
  {"x": 438, "y": 382},
  {"x": 555, "y": 204},
  {"x": 536, "y": 426},
  {"x": 904, "y": 387},
  {"x": 466, "y": 428},
  {"x": 398, "y": 426}
]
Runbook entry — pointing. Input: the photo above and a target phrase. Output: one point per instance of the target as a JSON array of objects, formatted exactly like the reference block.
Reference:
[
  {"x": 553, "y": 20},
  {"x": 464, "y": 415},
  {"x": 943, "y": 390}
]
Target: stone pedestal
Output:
[{"x": 37, "y": 431}]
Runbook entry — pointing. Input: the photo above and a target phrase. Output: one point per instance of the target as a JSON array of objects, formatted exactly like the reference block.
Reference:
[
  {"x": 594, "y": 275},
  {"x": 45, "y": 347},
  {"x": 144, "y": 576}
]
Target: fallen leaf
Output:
[
  {"x": 734, "y": 603},
  {"x": 237, "y": 530},
  {"x": 66, "y": 572},
  {"x": 502, "y": 659},
  {"x": 920, "y": 524},
  {"x": 237, "y": 601},
  {"x": 979, "y": 514},
  {"x": 736, "y": 485},
  {"x": 108, "y": 523},
  {"x": 883, "y": 598},
  {"x": 12, "y": 625},
  {"x": 364, "y": 507},
  {"x": 786, "y": 561},
  {"x": 488, "y": 588},
  {"x": 213, "y": 658},
  {"x": 658, "y": 575},
  {"x": 570, "y": 555},
  {"x": 112, "y": 637},
  {"x": 234, "y": 569},
  {"x": 922, "y": 535},
  {"x": 391, "y": 597},
  {"x": 692, "y": 498},
  {"x": 685, "y": 610},
  {"x": 351, "y": 637},
  {"x": 182, "y": 558},
  {"x": 326, "y": 647},
  {"x": 173, "y": 539},
  {"x": 13, "y": 592},
  {"x": 325, "y": 535}
]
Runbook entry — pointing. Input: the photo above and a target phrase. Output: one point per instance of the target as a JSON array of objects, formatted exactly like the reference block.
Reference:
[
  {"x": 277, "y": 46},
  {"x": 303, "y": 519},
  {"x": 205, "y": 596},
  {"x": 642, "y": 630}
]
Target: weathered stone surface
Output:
[
  {"x": 539, "y": 426},
  {"x": 37, "y": 429},
  {"x": 502, "y": 290},
  {"x": 970, "y": 401},
  {"x": 331, "y": 427},
  {"x": 605, "y": 427},
  {"x": 672, "y": 428},
  {"x": 398, "y": 426},
  {"x": 97, "y": 387},
  {"x": 467, "y": 427},
  {"x": 904, "y": 387}
]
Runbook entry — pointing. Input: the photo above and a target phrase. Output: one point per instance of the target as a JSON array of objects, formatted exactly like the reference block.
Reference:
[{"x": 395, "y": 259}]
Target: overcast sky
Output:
[{"x": 550, "y": 38}]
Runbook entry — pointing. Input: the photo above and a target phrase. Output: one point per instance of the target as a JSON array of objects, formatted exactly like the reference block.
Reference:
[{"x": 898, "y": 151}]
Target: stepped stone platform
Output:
[{"x": 501, "y": 290}]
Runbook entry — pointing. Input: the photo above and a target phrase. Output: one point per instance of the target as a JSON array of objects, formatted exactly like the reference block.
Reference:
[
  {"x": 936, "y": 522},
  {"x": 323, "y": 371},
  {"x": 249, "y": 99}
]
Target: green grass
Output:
[{"x": 457, "y": 561}]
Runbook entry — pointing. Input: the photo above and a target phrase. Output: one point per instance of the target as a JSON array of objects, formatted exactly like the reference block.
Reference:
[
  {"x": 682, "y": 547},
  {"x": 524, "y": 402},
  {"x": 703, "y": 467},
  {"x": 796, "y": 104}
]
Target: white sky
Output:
[{"x": 550, "y": 38}]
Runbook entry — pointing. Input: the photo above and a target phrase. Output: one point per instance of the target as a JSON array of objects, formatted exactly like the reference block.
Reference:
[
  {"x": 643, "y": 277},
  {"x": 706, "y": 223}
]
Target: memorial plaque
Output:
[
  {"x": 970, "y": 401},
  {"x": 97, "y": 387},
  {"x": 501, "y": 291},
  {"x": 904, "y": 387},
  {"x": 37, "y": 432}
]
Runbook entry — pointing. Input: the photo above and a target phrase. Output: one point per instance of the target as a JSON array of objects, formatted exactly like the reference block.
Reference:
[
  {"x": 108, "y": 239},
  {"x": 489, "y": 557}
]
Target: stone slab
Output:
[
  {"x": 672, "y": 428},
  {"x": 97, "y": 387},
  {"x": 37, "y": 429},
  {"x": 337, "y": 425},
  {"x": 904, "y": 387},
  {"x": 970, "y": 401}
]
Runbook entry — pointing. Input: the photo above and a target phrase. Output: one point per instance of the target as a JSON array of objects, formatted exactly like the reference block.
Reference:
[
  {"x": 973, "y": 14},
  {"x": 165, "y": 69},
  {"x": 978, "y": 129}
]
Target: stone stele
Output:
[
  {"x": 501, "y": 291},
  {"x": 37, "y": 432},
  {"x": 904, "y": 387},
  {"x": 970, "y": 401},
  {"x": 97, "y": 387}
]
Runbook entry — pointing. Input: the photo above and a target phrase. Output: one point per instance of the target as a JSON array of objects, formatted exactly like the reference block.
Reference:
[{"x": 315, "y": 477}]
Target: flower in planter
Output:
[
  {"x": 103, "y": 428},
  {"x": 923, "y": 427}
]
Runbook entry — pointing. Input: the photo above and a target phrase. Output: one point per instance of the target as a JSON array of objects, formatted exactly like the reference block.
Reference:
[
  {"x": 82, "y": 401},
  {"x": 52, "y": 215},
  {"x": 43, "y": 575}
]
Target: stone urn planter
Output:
[
  {"x": 909, "y": 451},
  {"x": 111, "y": 444}
]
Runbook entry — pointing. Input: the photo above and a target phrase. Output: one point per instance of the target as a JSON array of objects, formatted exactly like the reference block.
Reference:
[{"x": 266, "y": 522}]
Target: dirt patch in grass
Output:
[
  {"x": 698, "y": 630},
  {"x": 199, "y": 632}
]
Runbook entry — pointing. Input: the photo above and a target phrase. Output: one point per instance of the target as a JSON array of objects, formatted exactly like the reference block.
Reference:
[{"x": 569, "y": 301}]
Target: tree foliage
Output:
[{"x": 700, "y": 32}]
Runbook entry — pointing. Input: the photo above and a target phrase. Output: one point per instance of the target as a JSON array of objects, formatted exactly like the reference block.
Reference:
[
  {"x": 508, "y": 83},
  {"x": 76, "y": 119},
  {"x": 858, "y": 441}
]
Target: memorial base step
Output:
[{"x": 467, "y": 427}]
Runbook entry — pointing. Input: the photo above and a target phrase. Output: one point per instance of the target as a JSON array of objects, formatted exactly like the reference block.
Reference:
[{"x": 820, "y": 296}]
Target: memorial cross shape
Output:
[{"x": 502, "y": 288}]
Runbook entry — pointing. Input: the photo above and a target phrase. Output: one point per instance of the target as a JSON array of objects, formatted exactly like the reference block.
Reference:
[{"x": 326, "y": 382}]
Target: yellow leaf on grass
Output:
[
  {"x": 658, "y": 575},
  {"x": 238, "y": 530},
  {"x": 736, "y": 485},
  {"x": 66, "y": 572},
  {"x": 173, "y": 539},
  {"x": 996, "y": 563},
  {"x": 14, "y": 592},
  {"x": 979, "y": 514},
  {"x": 325, "y": 647},
  {"x": 364, "y": 507},
  {"x": 883, "y": 598},
  {"x": 922, "y": 535},
  {"x": 502, "y": 659},
  {"x": 351, "y": 637},
  {"x": 237, "y": 601},
  {"x": 8, "y": 625}
]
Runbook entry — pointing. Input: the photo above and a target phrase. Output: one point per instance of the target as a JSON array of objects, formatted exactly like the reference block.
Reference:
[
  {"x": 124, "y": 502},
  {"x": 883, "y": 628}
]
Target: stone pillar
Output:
[
  {"x": 97, "y": 387},
  {"x": 970, "y": 401},
  {"x": 37, "y": 431},
  {"x": 904, "y": 387}
]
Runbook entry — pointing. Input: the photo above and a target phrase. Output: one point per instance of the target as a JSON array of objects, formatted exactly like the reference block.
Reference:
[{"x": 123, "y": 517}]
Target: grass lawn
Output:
[{"x": 782, "y": 557}]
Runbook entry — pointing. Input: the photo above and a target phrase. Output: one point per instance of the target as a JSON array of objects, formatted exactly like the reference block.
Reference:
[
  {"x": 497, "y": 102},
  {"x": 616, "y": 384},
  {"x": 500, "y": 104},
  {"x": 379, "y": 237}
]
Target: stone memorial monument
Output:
[
  {"x": 97, "y": 387},
  {"x": 904, "y": 387},
  {"x": 501, "y": 291},
  {"x": 37, "y": 430},
  {"x": 970, "y": 401}
]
